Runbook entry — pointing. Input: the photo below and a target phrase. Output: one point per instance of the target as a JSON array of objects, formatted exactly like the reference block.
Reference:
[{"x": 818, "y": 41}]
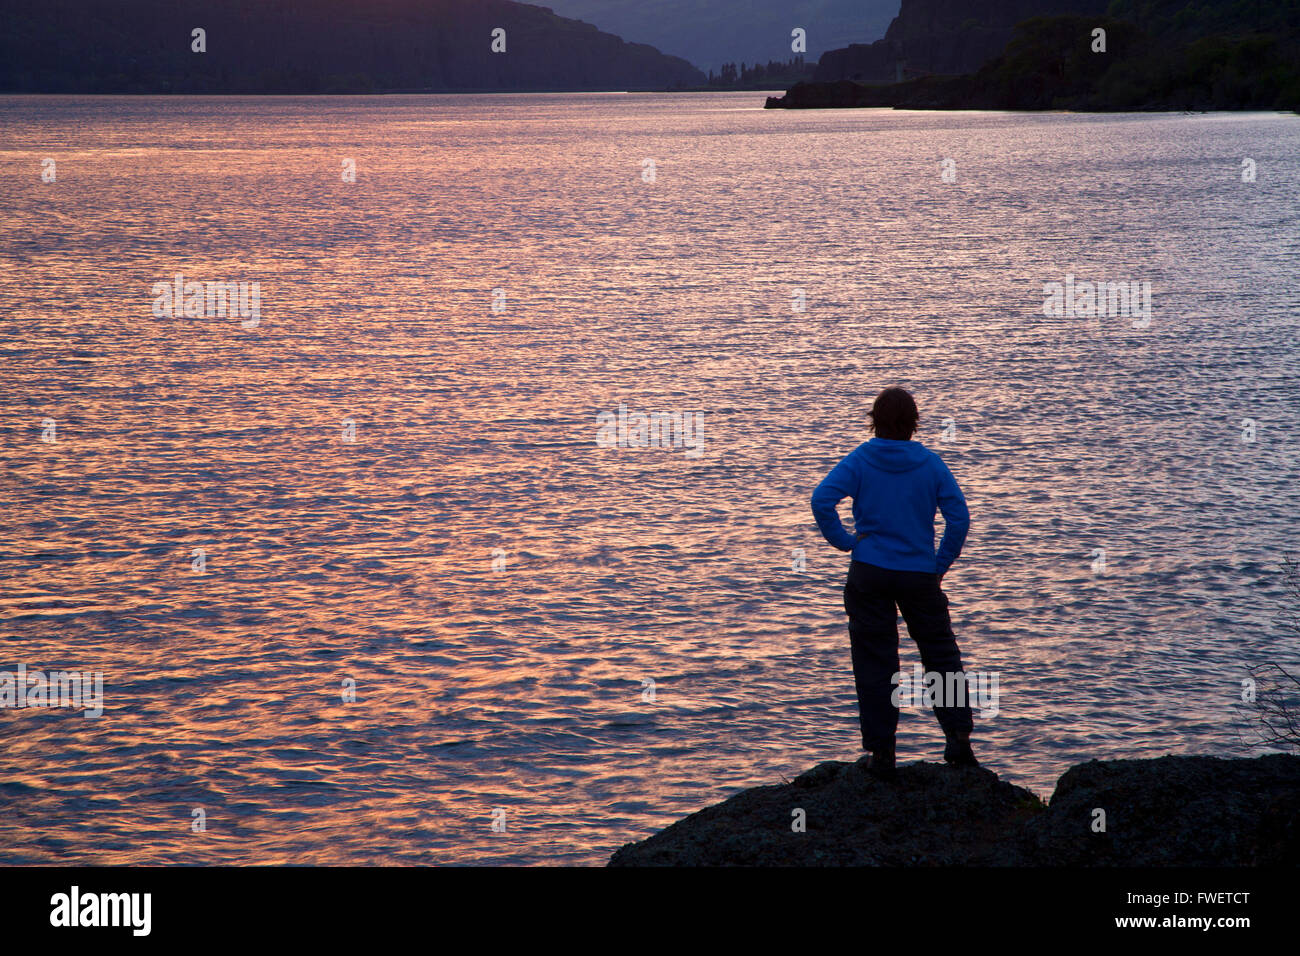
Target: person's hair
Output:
[{"x": 894, "y": 414}]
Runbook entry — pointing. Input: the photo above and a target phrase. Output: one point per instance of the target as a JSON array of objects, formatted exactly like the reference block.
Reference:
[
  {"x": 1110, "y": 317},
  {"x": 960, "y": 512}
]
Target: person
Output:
[{"x": 896, "y": 485}]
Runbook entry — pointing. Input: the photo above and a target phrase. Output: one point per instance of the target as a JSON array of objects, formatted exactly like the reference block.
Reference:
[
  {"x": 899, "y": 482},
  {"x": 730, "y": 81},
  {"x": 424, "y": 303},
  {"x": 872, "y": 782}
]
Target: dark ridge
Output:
[{"x": 322, "y": 46}]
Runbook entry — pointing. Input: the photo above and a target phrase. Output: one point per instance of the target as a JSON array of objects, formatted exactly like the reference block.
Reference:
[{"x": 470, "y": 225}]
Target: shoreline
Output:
[{"x": 772, "y": 102}]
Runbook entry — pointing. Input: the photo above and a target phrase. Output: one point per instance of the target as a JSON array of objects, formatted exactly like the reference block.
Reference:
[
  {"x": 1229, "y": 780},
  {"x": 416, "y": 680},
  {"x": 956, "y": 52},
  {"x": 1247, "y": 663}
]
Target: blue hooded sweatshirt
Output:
[{"x": 896, "y": 487}]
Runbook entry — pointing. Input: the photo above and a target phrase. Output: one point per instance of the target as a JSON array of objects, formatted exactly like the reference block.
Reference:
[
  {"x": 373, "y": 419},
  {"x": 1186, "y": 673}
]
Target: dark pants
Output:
[{"x": 873, "y": 597}]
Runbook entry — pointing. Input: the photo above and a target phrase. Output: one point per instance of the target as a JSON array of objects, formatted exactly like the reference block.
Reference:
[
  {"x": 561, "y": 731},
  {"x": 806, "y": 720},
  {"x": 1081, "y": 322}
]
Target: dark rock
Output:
[
  {"x": 932, "y": 815},
  {"x": 1174, "y": 811}
]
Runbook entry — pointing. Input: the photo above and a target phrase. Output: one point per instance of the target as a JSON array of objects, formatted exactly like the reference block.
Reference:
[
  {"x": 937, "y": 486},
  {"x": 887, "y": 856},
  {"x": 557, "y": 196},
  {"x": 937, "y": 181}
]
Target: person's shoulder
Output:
[
  {"x": 852, "y": 459},
  {"x": 936, "y": 460},
  {"x": 854, "y": 454}
]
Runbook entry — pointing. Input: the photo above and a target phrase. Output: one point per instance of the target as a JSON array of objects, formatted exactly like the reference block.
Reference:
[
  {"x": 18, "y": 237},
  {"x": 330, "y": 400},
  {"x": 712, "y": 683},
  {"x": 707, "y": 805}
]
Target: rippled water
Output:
[{"x": 522, "y": 685}]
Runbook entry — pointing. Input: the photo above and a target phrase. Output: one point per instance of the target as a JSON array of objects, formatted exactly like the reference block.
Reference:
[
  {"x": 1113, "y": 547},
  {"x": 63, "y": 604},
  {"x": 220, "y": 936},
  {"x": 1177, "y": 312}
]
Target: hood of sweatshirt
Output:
[{"x": 889, "y": 454}]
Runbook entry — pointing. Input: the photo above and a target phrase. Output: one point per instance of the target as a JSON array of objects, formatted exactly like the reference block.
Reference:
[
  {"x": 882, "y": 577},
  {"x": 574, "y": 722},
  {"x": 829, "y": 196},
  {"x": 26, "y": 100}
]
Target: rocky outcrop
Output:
[
  {"x": 840, "y": 94},
  {"x": 321, "y": 46},
  {"x": 1173, "y": 811},
  {"x": 947, "y": 37}
]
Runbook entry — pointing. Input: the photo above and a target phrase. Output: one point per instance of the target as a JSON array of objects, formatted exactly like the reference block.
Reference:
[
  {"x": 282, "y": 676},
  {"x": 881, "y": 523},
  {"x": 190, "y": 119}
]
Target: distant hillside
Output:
[
  {"x": 941, "y": 36},
  {"x": 316, "y": 46},
  {"x": 710, "y": 33},
  {"x": 1160, "y": 55}
]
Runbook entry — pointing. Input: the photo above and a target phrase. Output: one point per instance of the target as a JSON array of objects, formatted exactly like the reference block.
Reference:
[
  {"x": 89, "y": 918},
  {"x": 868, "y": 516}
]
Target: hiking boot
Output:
[
  {"x": 880, "y": 764},
  {"x": 957, "y": 751}
]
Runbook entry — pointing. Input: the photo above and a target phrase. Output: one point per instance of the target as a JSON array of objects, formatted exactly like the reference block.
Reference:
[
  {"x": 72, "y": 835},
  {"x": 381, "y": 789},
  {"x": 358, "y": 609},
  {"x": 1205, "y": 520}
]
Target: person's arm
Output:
[
  {"x": 834, "y": 488},
  {"x": 956, "y": 520}
]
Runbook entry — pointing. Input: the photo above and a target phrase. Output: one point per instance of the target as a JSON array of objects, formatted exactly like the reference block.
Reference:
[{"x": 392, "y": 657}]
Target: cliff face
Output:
[
  {"x": 1173, "y": 811},
  {"x": 287, "y": 46},
  {"x": 1160, "y": 55},
  {"x": 941, "y": 36}
]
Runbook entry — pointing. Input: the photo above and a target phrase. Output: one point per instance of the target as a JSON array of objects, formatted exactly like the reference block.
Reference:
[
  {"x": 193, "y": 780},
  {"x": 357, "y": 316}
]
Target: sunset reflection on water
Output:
[{"x": 502, "y": 590}]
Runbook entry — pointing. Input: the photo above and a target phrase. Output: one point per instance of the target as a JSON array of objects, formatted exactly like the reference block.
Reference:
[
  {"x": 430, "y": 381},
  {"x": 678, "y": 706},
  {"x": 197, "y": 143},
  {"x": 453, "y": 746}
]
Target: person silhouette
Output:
[{"x": 897, "y": 485}]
